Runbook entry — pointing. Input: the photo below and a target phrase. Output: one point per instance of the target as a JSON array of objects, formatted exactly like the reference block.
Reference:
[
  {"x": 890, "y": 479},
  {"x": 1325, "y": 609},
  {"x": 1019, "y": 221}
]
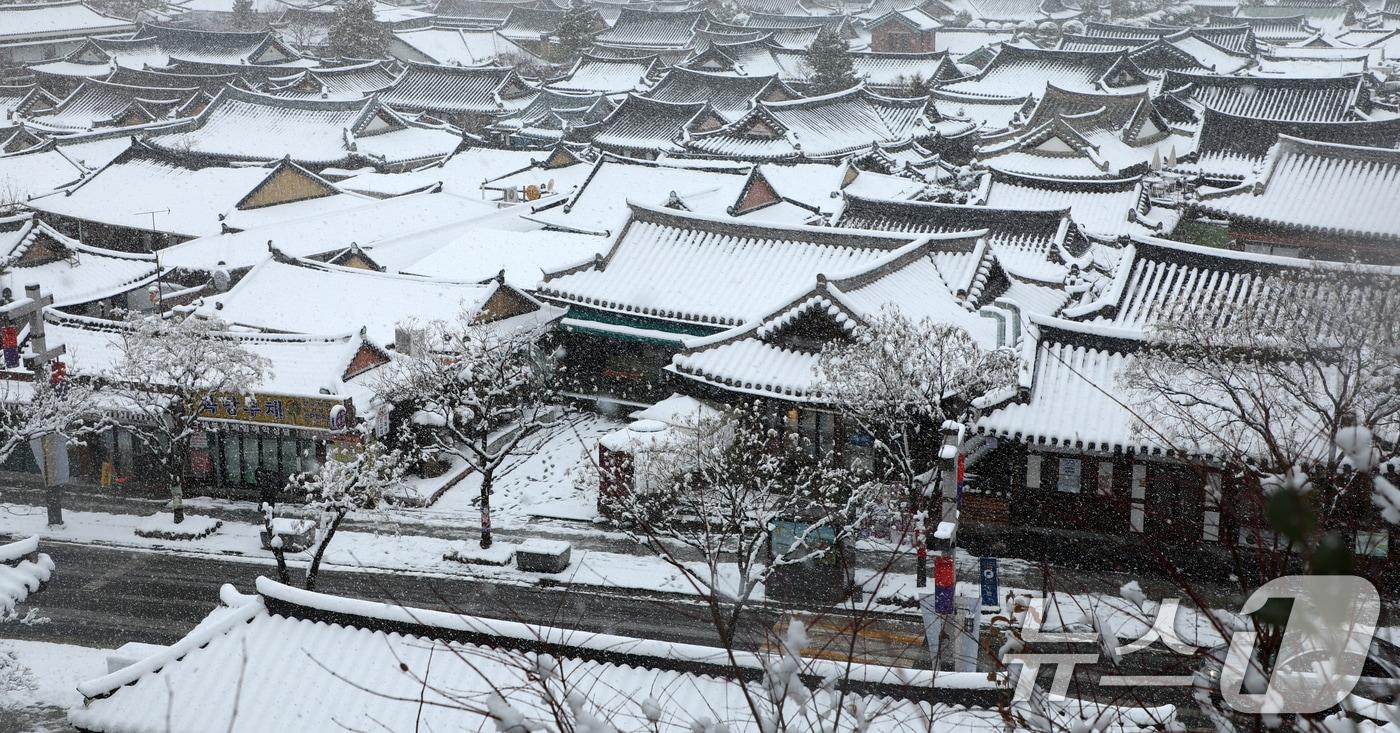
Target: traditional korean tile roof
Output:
[
  {"x": 458, "y": 46},
  {"x": 12, "y": 97},
  {"x": 168, "y": 80},
  {"x": 533, "y": 24},
  {"x": 1332, "y": 99},
  {"x": 838, "y": 23},
  {"x": 1322, "y": 189},
  {"x": 353, "y": 652},
  {"x": 1018, "y": 72},
  {"x": 443, "y": 89},
  {"x": 601, "y": 203},
  {"x": 97, "y": 104},
  {"x": 1235, "y": 147},
  {"x": 1286, "y": 28},
  {"x": 728, "y": 95},
  {"x": 355, "y": 81},
  {"x": 1030, "y": 243},
  {"x": 706, "y": 271},
  {"x": 349, "y": 299},
  {"x": 72, "y": 272},
  {"x": 794, "y": 38},
  {"x": 551, "y": 112},
  {"x": 608, "y": 75},
  {"x": 1235, "y": 37},
  {"x": 642, "y": 126},
  {"x": 1325, "y": 18},
  {"x": 241, "y": 125},
  {"x": 756, "y": 359},
  {"x": 54, "y": 165},
  {"x": 194, "y": 197},
  {"x": 1100, "y": 208},
  {"x": 827, "y": 126},
  {"x": 484, "y": 12},
  {"x": 1078, "y": 135},
  {"x": 22, "y": 22},
  {"x": 651, "y": 29},
  {"x": 177, "y": 43}
]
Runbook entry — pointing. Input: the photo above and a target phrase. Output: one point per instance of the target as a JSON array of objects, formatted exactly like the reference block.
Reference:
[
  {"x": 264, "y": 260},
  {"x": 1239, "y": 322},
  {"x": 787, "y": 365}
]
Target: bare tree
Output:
[
  {"x": 478, "y": 389},
  {"x": 899, "y": 381},
  {"x": 170, "y": 374}
]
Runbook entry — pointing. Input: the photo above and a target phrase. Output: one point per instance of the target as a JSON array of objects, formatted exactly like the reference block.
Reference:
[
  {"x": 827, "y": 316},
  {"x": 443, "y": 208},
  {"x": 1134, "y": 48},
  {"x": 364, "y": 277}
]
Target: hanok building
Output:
[
  {"x": 645, "y": 128},
  {"x": 355, "y": 81},
  {"x": 454, "y": 46},
  {"x": 1101, "y": 208},
  {"x": 670, "y": 275},
  {"x": 34, "y": 170},
  {"x": 1018, "y": 72},
  {"x": 1080, "y": 135},
  {"x": 84, "y": 280},
  {"x": 1237, "y": 38},
  {"x": 912, "y": 30},
  {"x": 479, "y": 13},
  {"x": 1185, "y": 50},
  {"x": 1274, "y": 29},
  {"x": 1316, "y": 200},
  {"x": 312, "y": 394},
  {"x": 605, "y": 75},
  {"x": 37, "y": 32},
  {"x": 729, "y": 96},
  {"x": 548, "y": 117},
  {"x": 246, "y": 126},
  {"x": 99, "y": 104},
  {"x": 1232, "y": 148},
  {"x": 468, "y": 98},
  {"x": 169, "y": 47},
  {"x": 831, "y": 126},
  {"x": 648, "y": 30},
  {"x": 1329, "y": 99},
  {"x": 147, "y": 199}
]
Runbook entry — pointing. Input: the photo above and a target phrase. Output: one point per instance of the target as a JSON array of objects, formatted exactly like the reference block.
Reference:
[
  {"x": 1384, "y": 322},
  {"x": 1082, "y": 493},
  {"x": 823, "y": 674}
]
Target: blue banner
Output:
[{"x": 989, "y": 582}]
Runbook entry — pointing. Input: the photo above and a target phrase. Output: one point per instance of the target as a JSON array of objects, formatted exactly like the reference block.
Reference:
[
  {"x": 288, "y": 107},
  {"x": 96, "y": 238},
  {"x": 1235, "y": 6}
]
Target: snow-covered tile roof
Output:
[
  {"x": 600, "y": 205},
  {"x": 327, "y": 232},
  {"x": 32, "y": 21},
  {"x": 242, "y": 125},
  {"x": 72, "y": 272},
  {"x": 686, "y": 268},
  {"x": 355, "y": 81},
  {"x": 642, "y": 126},
  {"x": 38, "y": 172},
  {"x": 102, "y": 104},
  {"x": 1327, "y": 99},
  {"x": 827, "y": 126},
  {"x": 651, "y": 29},
  {"x": 459, "y": 46},
  {"x": 356, "y": 666},
  {"x": 727, "y": 94},
  {"x": 462, "y": 174},
  {"x": 1235, "y": 147},
  {"x": 607, "y": 75},
  {"x": 990, "y": 113},
  {"x": 524, "y": 255},
  {"x": 1323, "y": 189},
  {"x": 299, "y": 296},
  {"x": 1019, "y": 72},
  {"x": 1102, "y": 208},
  {"x": 478, "y": 10},
  {"x": 445, "y": 89}
]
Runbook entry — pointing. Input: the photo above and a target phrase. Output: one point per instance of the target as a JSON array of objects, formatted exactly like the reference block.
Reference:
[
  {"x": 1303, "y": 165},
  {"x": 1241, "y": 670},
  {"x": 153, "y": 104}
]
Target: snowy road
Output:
[{"x": 106, "y": 597}]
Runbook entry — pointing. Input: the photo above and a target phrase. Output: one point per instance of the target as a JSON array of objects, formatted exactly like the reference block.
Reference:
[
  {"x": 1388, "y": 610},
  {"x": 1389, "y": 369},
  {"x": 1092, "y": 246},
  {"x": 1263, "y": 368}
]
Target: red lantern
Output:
[{"x": 58, "y": 372}]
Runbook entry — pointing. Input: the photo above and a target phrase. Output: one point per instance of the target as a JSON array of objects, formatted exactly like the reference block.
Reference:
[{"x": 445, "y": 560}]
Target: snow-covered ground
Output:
[{"x": 39, "y": 680}]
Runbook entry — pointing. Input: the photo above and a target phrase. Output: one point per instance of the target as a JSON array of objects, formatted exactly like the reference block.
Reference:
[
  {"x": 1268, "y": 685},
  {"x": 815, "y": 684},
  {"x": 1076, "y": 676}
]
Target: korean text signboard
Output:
[{"x": 311, "y": 413}]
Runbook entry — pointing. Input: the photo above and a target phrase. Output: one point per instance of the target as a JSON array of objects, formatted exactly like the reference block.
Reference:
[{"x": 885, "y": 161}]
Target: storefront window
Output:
[
  {"x": 250, "y": 460},
  {"x": 290, "y": 460},
  {"x": 233, "y": 465}
]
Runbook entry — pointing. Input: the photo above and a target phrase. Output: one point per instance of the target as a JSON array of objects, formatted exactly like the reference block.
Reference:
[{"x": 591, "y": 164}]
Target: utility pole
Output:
[
  {"x": 153, "y": 249},
  {"x": 40, "y": 363}
]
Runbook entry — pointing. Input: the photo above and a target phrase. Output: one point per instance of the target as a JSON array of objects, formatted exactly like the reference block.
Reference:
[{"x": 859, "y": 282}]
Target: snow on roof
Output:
[
  {"x": 244, "y": 125},
  {"x": 481, "y": 10},
  {"x": 601, "y": 203},
  {"x": 72, "y": 272},
  {"x": 990, "y": 113},
  {"x": 728, "y": 95},
  {"x": 461, "y": 174},
  {"x": 299, "y": 296},
  {"x": 24, "y": 21},
  {"x": 715, "y": 272},
  {"x": 826, "y": 126},
  {"x": 355, "y": 81},
  {"x": 356, "y": 665},
  {"x": 1235, "y": 147},
  {"x": 102, "y": 104},
  {"x": 525, "y": 256},
  {"x": 642, "y": 126},
  {"x": 455, "y": 89},
  {"x": 38, "y": 172},
  {"x": 1099, "y": 207},
  {"x": 649, "y": 29},
  {"x": 326, "y": 232},
  {"x": 1324, "y": 189},
  {"x": 1327, "y": 99},
  {"x": 607, "y": 75},
  {"x": 1019, "y": 72},
  {"x": 459, "y": 46}
]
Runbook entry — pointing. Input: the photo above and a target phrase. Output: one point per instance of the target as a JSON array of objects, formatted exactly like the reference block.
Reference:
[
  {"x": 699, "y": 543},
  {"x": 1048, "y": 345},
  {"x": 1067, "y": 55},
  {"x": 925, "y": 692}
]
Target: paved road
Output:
[{"x": 104, "y": 597}]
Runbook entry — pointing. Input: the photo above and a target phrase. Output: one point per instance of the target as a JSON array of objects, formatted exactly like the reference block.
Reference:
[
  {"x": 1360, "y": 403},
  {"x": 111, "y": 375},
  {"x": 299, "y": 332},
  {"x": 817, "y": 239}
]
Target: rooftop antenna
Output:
[{"x": 151, "y": 245}]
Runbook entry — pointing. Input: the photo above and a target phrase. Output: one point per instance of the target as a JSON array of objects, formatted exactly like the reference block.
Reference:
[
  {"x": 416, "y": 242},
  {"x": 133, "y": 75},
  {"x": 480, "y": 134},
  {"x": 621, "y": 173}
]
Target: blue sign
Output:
[
  {"x": 943, "y": 600},
  {"x": 989, "y": 582}
]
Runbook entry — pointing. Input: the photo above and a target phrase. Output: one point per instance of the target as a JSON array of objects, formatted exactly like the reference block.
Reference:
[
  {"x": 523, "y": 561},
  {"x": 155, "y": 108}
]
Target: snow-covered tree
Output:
[
  {"x": 829, "y": 58},
  {"x": 30, "y": 410},
  {"x": 169, "y": 374},
  {"x": 1294, "y": 387},
  {"x": 355, "y": 33},
  {"x": 576, "y": 31},
  {"x": 478, "y": 390},
  {"x": 899, "y": 381},
  {"x": 708, "y": 498},
  {"x": 355, "y": 477}
]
